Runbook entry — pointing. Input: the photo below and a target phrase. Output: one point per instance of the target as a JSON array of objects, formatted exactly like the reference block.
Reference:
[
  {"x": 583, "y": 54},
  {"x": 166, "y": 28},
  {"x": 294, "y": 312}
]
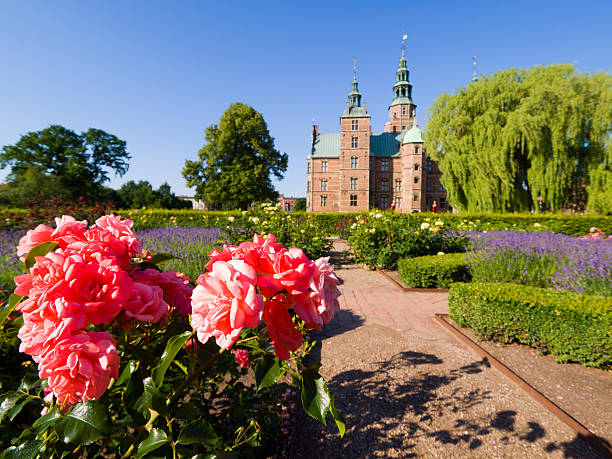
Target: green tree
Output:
[
  {"x": 80, "y": 163},
  {"x": 134, "y": 195},
  {"x": 518, "y": 134},
  {"x": 300, "y": 205},
  {"x": 233, "y": 169}
]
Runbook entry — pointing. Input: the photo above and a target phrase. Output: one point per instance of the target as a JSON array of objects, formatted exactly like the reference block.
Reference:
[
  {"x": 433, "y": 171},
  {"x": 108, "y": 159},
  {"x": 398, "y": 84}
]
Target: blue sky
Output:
[{"x": 156, "y": 74}]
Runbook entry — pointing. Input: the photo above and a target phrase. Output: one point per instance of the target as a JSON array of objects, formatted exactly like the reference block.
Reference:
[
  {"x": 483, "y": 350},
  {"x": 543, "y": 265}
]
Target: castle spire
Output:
[
  {"x": 355, "y": 96},
  {"x": 475, "y": 76},
  {"x": 402, "y": 89}
]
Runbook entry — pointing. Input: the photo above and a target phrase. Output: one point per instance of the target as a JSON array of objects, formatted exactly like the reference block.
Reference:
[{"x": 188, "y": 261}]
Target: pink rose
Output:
[
  {"x": 122, "y": 230},
  {"x": 80, "y": 367},
  {"x": 145, "y": 303},
  {"x": 176, "y": 288},
  {"x": 61, "y": 286},
  {"x": 101, "y": 245},
  {"x": 42, "y": 233},
  {"x": 292, "y": 273},
  {"x": 242, "y": 357},
  {"x": 324, "y": 284},
  {"x": 225, "y": 301},
  {"x": 68, "y": 230},
  {"x": 38, "y": 335},
  {"x": 284, "y": 335}
]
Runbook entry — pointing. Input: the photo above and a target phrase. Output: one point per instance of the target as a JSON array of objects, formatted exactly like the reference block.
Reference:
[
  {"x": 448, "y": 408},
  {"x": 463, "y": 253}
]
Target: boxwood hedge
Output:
[
  {"x": 571, "y": 327},
  {"x": 434, "y": 271}
]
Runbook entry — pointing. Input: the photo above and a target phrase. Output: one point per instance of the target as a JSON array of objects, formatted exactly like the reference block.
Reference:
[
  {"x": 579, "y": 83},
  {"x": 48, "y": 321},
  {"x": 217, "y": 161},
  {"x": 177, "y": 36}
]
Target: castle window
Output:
[
  {"x": 384, "y": 184},
  {"x": 353, "y": 200},
  {"x": 308, "y": 166},
  {"x": 429, "y": 165},
  {"x": 442, "y": 189},
  {"x": 353, "y": 183},
  {"x": 403, "y": 110},
  {"x": 429, "y": 187},
  {"x": 323, "y": 200},
  {"x": 354, "y": 162},
  {"x": 323, "y": 184},
  {"x": 397, "y": 201},
  {"x": 354, "y": 141},
  {"x": 416, "y": 180},
  {"x": 384, "y": 201},
  {"x": 403, "y": 128},
  {"x": 416, "y": 197},
  {"x": 416, "y": 149},
  {"x": 416, "y": 167},
  {"x": 308, "y": 186},
  {"x": 324, "y": 165},
  {"x": 384, "y": 165},
  {"x": 428, "y": 200},
  {"x": 398, "y": 184},
  {"x": 354, "y": 125}
]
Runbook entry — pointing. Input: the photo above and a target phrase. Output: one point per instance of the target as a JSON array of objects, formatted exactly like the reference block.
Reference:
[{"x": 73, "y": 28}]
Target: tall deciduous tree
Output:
[
  {"x": 233, "y": 169},
  {"x": 80, "y": 163},
  {"x": 503, "y": 141}
]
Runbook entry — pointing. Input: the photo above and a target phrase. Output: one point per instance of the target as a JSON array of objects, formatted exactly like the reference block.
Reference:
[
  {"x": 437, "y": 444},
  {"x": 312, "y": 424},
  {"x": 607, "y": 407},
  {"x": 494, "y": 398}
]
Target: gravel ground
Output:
[{"x": 407, "y": 396}]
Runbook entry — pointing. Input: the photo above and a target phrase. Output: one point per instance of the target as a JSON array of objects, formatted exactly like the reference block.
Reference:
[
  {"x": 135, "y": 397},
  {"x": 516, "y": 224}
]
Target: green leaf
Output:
[
  {"x": 127, "y": 371},
  {"x": 84, "y": 423},
  {"x": 9, "y": 400},
  {"x": 340, "y": 421},
  {"x": 175, "y": 344},
  {"x": 46, "y": 420},
  {"x": 160, "y": 258},
  {"x": 14, "y": 411},
  {"x": 267, "y": 371},
  {"x": 156, "y": 438},
  {"x": 140, "y": 397},
  {"x": 197, "y": 432},
  {"x": 39, "y": 251},
  {"x": 25, "y": 451},
  {"x": 316, "y": 398},
  {"x": 13, "y": 301}
]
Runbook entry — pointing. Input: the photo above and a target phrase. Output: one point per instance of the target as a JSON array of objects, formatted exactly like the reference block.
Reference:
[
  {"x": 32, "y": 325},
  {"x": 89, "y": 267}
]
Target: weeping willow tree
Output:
[{"x": 508, "y": 138}]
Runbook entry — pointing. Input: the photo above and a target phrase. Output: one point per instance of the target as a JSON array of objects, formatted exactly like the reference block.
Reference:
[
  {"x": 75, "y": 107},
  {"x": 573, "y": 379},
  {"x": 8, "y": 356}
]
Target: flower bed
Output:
[
  {"x": 114, "y": 339},
  {"x": 544, "y": 260}
]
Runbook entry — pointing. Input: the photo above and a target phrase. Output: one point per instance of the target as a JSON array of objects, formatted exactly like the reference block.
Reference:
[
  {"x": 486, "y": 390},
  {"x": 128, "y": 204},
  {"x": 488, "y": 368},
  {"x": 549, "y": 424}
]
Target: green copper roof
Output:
[
  {"x": 354, "y": 111},
  {"x": 326, "y": 146},
  {"x": 385, "y": 143},
  {"x": 381, "y": 144},
  {"x": 414, "y": 135},
  {"x": 402, "y": 100}
]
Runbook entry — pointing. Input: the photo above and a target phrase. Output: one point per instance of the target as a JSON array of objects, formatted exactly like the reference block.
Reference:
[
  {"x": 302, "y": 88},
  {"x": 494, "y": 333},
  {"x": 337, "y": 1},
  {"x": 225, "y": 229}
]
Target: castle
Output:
[{"x": 357, "y": 169}]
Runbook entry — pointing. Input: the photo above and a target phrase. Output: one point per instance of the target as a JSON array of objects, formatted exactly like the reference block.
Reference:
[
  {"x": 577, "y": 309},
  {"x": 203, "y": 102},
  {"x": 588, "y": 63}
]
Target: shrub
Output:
[
  {"x": 573, "y": 328},
  {"x": 434, "y": 271}
]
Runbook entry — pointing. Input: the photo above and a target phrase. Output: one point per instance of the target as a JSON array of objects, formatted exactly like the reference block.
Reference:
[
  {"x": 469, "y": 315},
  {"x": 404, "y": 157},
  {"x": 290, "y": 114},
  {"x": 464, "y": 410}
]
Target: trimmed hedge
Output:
[
  {"x": 571, "y": 327},
  {"x": 434, "y": 271}
]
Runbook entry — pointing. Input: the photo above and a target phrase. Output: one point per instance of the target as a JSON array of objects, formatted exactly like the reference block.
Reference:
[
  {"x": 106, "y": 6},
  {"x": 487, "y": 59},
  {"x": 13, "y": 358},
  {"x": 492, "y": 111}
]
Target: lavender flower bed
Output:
[
  {"x": 543, "y": 260},
  {"x": 11, "y": 266},
  {"x": 190, "y": 246}
]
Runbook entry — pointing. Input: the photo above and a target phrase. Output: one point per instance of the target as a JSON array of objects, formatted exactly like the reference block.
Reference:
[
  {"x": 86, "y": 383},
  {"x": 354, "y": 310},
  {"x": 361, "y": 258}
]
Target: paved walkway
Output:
[{"x": 408, "y": 388}]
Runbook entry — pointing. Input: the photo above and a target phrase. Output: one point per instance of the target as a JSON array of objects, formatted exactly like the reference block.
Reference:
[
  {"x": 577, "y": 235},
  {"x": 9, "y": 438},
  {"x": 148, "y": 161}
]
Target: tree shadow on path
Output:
[{"x": 389, "y": 410}]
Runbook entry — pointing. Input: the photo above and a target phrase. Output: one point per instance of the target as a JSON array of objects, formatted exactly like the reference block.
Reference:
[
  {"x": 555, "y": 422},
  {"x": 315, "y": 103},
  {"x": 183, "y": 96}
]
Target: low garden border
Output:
[
  {"x": 597, "y": 443},
  {"x": 410, "y": 289}
]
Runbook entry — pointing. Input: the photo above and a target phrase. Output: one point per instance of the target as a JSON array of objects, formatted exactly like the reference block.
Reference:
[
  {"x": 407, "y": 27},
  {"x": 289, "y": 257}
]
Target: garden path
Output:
[{"x": 408, "y": 388}]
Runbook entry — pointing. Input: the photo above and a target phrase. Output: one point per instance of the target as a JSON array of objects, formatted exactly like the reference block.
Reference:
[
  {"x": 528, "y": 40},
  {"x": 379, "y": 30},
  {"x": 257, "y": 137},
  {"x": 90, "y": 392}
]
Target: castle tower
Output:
[
  {"x": 355, "y": 133},
  {"x": 402, "y": 109},
  {"x": 413, "y": 173}
]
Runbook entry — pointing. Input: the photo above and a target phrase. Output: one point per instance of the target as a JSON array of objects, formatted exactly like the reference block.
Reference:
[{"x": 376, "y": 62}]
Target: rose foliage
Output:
[{"x": 120, "y": 371}]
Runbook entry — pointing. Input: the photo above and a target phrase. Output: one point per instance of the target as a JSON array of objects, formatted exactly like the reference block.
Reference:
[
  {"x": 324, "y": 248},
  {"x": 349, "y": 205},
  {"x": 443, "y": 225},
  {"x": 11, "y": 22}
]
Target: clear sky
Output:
[{"x": 156, "y": 74}]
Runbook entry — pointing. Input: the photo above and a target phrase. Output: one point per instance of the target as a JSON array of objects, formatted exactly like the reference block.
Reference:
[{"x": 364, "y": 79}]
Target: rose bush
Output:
[{"x": 119, "y": 369}]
